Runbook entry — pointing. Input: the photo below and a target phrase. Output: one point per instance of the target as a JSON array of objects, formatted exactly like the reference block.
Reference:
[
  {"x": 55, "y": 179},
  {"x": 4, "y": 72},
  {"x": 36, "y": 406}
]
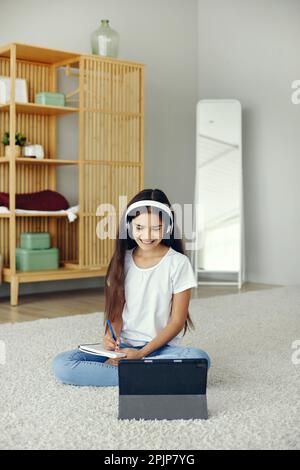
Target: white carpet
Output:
[{"x": 253, "y": 389}]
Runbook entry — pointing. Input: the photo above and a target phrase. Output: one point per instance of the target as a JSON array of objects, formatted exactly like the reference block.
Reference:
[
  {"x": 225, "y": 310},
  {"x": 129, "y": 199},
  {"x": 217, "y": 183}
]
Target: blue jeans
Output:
[{"x": 78, "y": 368}]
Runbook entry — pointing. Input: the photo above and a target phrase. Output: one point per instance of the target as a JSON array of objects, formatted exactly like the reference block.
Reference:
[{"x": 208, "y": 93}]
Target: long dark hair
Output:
[{"x": 115, "y": 277}]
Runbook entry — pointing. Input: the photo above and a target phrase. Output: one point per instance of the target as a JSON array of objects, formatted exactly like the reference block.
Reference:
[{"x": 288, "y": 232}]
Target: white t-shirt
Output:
[{"x": 148, "y": 295}]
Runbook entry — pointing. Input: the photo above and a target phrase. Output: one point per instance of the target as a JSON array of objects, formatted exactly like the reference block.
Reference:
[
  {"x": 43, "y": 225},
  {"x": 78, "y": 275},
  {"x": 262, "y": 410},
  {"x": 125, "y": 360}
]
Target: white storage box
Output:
[{"x": 21, "y": 93}]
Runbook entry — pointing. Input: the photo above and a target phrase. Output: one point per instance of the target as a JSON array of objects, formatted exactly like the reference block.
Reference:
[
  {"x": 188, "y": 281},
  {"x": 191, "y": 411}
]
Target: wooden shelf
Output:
[
  {"x": 71, "y": 264},
  {"x": 43, "y": 215},
  {"x": 46, "y": 55},
  {"x": 40, "y": 109},
  {"x": 43, "y": 55},
  {"x": 44, "y": 161},
  {"x": 56, "y": 161},
  {"x": 54, "y": 275}
]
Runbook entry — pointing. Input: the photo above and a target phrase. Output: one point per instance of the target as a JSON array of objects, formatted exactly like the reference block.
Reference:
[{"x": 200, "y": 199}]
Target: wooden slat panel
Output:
[
  {"x": 12, "y": 166},
  {"x": 82, "y": 151},
  {"x": 97, "y": 180},
  {"x": 4, "y": 178},
  {"x": 32, "y": 178},
  {"x": 141, "y": 102},
  {"x": 112, "y": 133},
  {"x": 4, "y": 237},
  {"x": 4, "y": 120},
  {"x": 67, "y": 239}
]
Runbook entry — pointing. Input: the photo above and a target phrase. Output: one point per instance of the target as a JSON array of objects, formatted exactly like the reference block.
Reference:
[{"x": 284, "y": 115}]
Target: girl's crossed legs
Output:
[{"x": 78, "y": 368}]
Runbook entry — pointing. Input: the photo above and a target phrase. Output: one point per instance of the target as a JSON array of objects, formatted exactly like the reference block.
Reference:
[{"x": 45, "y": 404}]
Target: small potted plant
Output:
[{"x": 20, "y": 141}]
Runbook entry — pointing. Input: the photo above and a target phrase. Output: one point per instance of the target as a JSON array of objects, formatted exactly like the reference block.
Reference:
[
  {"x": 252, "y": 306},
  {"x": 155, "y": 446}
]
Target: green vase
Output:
[{"x": 105, "y": 40}]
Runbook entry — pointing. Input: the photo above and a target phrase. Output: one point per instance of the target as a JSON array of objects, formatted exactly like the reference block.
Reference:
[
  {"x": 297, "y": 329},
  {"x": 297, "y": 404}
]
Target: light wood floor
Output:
[{"x": 60, "y": 304}]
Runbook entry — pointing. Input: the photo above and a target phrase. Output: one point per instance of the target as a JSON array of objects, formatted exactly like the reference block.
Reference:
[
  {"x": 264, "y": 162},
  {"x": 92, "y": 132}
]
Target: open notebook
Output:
[{"x": 97, "y": 349}]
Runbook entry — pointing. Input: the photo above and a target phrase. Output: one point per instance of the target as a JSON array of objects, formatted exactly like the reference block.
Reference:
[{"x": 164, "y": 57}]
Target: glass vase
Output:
[{"x": 105, "y": 40}]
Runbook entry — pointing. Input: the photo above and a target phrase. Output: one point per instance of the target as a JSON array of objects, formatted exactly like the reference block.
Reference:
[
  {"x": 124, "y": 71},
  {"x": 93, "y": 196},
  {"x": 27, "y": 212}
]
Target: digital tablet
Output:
[{"x": 163, "y": 388}]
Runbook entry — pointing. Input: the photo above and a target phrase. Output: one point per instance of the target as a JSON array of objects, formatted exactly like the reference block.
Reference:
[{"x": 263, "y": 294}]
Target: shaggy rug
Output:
[{"x": 253, "y": 385}]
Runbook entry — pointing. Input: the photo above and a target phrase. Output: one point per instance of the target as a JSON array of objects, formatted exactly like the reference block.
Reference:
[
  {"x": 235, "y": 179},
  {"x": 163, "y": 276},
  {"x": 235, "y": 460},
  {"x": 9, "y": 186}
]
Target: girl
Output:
[{"x": 147, "y": 293}]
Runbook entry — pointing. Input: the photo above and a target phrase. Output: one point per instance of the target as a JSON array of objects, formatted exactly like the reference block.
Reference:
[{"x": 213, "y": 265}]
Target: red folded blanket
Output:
[{"x": 40, "y": 201}]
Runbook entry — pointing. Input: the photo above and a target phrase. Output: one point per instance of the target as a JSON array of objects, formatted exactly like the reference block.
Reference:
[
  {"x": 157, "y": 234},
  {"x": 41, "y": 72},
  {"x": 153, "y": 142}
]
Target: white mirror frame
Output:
[{"x": 241, "y": 272}]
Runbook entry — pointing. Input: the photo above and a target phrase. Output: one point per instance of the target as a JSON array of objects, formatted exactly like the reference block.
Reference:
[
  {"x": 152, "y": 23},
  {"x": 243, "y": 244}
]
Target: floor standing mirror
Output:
[{"x": 218, "y": 210}]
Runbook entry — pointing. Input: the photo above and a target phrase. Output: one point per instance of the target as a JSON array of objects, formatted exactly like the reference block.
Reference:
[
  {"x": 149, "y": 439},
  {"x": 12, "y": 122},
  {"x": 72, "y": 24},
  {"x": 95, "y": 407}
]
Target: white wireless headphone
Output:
[{"x": 149, "y": 202}]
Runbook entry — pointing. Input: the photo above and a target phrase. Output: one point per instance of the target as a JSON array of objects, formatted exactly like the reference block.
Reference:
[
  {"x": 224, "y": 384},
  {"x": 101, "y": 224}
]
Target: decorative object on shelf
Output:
[
  {"x": 35, "y": 240},
  {"x": 21, "y": 92},
  {"x": 50, "y": 99},
  {"x": 33, "y": 151},
  {"x": 71, "y": 212},
  {"x": 105, "y": 40},
  {"x": 37, "y": 260},
  {"x": 39, "y": 201},
  {"x": 35, "y": 252},
  {"x": 4, "y": 210},
  {"x": 20, "y": 142}
]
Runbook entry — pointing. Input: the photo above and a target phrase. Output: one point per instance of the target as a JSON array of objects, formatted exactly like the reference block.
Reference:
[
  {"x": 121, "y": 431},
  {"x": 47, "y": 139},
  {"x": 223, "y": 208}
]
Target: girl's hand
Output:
[
  {"x": 110, "y": 344},
  {"x": 131, "y": 353}
]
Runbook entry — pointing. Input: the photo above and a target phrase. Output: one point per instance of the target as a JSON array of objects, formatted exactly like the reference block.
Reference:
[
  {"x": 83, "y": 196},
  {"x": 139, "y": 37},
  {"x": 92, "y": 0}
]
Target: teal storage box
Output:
[
  {"x": 49, "y": 98},
  {"x": 37, "y": 260},
  {"x": 35, "y": 241}
]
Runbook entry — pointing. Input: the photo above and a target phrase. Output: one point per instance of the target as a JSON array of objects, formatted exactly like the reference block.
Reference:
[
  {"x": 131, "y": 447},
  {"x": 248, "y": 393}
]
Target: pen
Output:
[{"x": 111, "y": 330}]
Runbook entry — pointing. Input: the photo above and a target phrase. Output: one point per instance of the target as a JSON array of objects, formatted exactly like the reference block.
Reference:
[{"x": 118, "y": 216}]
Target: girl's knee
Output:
[
  {"x": 61, "y": 367},
  {"x": 199, "y": 354}
]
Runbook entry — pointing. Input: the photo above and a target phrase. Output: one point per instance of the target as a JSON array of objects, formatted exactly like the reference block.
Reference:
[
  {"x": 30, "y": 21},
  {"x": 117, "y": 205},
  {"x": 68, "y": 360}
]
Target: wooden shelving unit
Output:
[{"x": 110, "y": 157}]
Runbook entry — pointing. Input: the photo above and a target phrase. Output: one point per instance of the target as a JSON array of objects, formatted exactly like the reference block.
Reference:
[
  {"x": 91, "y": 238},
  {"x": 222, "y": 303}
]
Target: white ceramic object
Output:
[{"x": 36, "y": 151}]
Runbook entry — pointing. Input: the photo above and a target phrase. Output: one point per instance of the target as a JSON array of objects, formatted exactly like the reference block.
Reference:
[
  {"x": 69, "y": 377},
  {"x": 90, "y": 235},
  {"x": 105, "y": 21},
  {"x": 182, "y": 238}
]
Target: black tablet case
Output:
[{"x": 162, "y": 389}]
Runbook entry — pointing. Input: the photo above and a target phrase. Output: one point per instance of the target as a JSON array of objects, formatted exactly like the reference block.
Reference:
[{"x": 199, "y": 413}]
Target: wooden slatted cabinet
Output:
[{"x": 110, "y": 159}]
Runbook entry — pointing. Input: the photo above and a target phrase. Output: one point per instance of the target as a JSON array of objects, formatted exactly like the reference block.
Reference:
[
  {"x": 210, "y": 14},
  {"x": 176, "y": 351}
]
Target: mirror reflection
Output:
[{"x": 219, "y": 189}]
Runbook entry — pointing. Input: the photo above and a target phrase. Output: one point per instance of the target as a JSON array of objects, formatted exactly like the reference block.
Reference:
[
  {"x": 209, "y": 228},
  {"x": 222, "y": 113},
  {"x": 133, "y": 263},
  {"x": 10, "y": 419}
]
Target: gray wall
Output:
[
  {"x": 248, "y": 49},
  {"x": 160, "y": 33}
]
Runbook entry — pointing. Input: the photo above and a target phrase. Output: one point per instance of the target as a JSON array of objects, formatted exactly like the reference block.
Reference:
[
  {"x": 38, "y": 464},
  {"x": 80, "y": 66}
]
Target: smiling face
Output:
[{"x": 147, "y": 230}]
